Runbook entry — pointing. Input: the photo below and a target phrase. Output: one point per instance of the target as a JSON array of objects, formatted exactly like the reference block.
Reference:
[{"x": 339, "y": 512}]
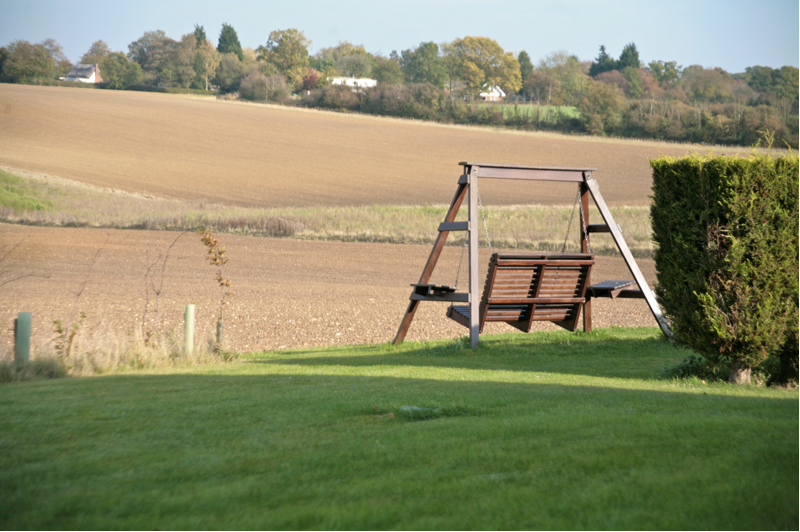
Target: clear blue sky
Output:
[{"x": 731, "y": 34}]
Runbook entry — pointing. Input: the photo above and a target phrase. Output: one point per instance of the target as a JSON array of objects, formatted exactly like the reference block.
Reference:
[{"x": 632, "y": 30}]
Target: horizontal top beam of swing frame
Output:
[{"x": 531, "y": 173}]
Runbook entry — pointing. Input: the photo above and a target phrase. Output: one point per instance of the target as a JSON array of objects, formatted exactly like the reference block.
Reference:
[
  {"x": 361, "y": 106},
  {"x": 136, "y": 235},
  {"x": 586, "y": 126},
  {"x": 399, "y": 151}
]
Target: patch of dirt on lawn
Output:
[{"x": 288, "y": 294}]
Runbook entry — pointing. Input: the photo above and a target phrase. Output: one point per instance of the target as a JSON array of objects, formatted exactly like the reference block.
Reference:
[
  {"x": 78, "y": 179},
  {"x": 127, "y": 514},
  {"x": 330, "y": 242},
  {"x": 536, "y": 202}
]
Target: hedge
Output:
[{"x": 726, "y": 256}]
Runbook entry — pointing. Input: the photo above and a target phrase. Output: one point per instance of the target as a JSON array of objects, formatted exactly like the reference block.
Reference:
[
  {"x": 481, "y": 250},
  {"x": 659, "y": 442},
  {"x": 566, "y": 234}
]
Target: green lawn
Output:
[{"x": 546, "y": 430}]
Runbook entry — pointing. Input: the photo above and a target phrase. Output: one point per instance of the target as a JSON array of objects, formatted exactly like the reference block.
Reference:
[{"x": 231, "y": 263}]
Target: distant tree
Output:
[
  {"x": 542, "y": 87},
  {"x": 199, "y": 34},
  {"x": 119, "y": 72},
  {"x": 628, "y": 58},
  {"x": 355, "y": 65},
  {"x": 614, "y": 77},
  {"x": 603, "y": 63},
  {"x": 772, "y": 82},
  {"x": 229, "y": 41},
  {"x": 288, "y": 51},
  {"x": 229, "y": 72},
  {"x": 712, "y": 85},
  {"x": 62, "y": 64},
  {"x": 525, "y": 65},
  {"x": 141, "y": 49},
  {"x": 650, "y": 87},
  {"x": 480, "y": 62},
  {"x": 183, "y": 62},
  {"x": 97, "y": 52},
  {"x": 155, "y": 54},
  {"x": 665, "y": 72},
  {"x": 29, "y": 63},
  {"x": 330, "y": 54},
  {"x": 254, "y": 86},
  {"x": 278, "y": 89},
  {"x": 423, "y": 65},
  {"x": 388, "y": 71},
  {"x": 568, "y": 71},
  {"x": 3, "y": 57},
  {"x": 635, "y": 89},
  {"x": 601, "y": 107},
  {"x": 207, "y": 60}
]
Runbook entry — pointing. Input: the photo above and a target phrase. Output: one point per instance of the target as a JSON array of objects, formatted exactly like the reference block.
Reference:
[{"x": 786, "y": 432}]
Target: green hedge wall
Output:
[{"x": 726, "y": 234}]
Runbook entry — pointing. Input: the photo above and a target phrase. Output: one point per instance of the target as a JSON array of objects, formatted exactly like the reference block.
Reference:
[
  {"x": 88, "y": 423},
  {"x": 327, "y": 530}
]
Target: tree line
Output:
[{"x": 612, "y": 96}]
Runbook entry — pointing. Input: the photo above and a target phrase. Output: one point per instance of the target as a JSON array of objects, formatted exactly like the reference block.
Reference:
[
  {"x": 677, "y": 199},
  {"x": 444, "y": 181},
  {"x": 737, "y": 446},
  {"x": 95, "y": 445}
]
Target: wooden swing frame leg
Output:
[{"x": 438, "y": 246}]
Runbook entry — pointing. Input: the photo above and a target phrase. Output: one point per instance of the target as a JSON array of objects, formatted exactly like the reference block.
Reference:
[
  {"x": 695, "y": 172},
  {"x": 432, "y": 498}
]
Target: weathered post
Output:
[
  {"x": 220, "y": 331},
  {"x": 188, "y": 329},
  {"x": 22, "y": 338}
]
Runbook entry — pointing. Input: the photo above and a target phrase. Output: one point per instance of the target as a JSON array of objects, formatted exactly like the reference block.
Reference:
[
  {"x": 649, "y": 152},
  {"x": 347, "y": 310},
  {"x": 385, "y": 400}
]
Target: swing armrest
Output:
[{"x": 437, "y": 292}]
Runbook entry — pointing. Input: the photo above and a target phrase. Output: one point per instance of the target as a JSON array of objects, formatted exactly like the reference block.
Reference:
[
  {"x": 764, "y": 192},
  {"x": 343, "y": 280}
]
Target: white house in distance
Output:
[
  {"x": 356, "y": 83},
  {"x": 85, "y": 74},
  {"x": 492, "y": 94}
]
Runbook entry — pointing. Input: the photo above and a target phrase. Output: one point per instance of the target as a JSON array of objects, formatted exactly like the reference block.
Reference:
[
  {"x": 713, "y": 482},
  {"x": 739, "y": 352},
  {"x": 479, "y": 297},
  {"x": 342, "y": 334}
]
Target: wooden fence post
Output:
[{"x": 188, "y": 329}]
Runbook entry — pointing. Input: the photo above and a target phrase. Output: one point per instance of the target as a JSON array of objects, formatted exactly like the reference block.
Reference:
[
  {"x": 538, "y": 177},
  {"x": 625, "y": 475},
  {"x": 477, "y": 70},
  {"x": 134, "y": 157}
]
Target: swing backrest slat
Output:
[{"x": 525, "y": 287}]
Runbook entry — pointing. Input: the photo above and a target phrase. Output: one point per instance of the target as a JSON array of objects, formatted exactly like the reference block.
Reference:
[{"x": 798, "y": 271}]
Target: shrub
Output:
[
  {"x": 334, "y": 97},
  {"x": 726, "y": 236},
  {"x": 254, "y": 86}
]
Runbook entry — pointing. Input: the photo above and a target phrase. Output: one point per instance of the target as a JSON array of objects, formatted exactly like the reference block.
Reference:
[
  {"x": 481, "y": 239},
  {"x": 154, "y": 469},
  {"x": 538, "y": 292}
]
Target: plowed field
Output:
[
  {"x": 287, "y": 293},
  {"x": 270, "y": 156}
]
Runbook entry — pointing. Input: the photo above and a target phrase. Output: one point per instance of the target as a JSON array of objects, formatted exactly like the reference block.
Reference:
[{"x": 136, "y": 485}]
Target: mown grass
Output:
[
  {"x": 528, "y": 227},
  {"x": 546, "y": 430}
]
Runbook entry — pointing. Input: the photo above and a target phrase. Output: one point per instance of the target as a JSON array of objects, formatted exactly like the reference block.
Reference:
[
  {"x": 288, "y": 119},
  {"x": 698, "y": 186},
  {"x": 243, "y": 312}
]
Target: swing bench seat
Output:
[{"x": 525, "y": 287}]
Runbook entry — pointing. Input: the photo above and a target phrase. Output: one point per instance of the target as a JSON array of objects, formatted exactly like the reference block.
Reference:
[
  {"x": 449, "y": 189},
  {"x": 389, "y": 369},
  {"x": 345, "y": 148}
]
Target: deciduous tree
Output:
[
  {"x": 288, "y": 51},
  {"x": 96, "y": 54},
  {"x": 229, "y": 72},
  {"x": 568, "y": 71},
  {"x": 207, "y": 60},
  {"x": 29, "y": 63},
  {"x": 387, "y": 71},
  {"x": 154, "y": 52},
  {"x": 601, "y": 107},
  {"x": 119, "y": 72},
  {"x": 665, "y": 72},
  {"x": 480, "y": 62},
  {"x": 423, "y": 65}
]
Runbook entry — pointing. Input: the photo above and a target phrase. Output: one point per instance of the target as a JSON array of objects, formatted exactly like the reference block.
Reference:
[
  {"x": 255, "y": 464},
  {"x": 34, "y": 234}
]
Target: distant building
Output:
[
  {"x": 85, "y": 74},
  {"x": 358, "y": 83},
  {"x": 492, "y": 94}
]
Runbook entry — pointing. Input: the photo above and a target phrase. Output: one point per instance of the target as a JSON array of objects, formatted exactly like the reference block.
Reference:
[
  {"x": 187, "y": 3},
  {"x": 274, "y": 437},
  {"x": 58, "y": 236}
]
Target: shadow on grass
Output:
[{"x": 592, "y": 354}]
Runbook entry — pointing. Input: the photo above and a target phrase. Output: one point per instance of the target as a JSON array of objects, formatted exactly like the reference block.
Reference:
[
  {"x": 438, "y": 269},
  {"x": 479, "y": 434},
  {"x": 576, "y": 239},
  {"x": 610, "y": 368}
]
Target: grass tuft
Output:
[
  {"x": 18, "y": 196},
  {"x": 41, "y": 368}
]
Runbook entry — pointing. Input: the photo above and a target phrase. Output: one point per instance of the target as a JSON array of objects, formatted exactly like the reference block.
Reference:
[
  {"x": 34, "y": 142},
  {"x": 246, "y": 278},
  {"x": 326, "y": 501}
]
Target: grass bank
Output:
[
  {"x": 546, "y": 430},
  {"x": 46, "y": 200}
]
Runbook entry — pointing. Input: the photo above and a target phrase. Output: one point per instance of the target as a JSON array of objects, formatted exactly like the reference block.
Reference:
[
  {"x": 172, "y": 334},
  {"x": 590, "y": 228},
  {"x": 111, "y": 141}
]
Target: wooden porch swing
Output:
[{"x": 521, "y": 288}]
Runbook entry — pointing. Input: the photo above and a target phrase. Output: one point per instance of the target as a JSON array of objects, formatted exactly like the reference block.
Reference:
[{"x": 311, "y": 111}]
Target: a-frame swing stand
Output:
[{"x": 471, "y": 315}]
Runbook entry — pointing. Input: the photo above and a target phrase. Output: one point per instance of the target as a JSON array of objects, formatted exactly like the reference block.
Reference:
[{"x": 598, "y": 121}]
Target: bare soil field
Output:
[
  {"x": 287, "y": 293},
  {"x": 202, "y": 149}
]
